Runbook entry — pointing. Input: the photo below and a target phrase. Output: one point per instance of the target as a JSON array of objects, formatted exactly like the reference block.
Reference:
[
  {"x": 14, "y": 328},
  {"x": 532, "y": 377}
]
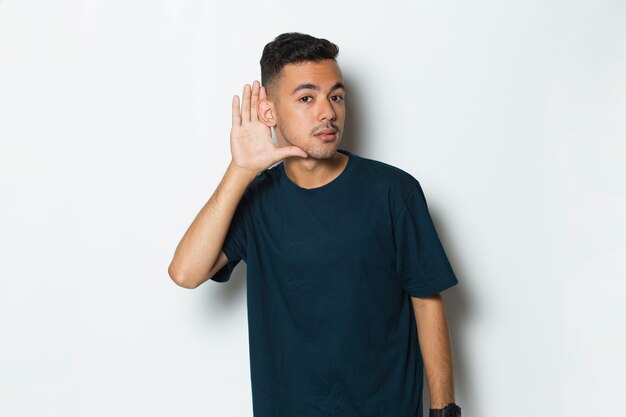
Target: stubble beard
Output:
[{"x": 321, "y": 151}]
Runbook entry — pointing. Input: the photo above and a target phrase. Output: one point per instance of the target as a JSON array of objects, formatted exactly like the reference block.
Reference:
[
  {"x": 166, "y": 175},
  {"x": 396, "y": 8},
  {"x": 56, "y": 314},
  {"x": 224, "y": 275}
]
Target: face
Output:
[{"x": 310, "y": 104}]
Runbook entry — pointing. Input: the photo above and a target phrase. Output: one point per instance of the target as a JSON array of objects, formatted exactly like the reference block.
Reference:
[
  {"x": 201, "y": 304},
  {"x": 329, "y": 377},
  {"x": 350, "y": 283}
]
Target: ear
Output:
[{"x": 265, "y": 110}]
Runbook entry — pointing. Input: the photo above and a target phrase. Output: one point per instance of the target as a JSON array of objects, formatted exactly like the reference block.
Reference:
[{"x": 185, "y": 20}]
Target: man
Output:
[{"x": 345, "y": 267}]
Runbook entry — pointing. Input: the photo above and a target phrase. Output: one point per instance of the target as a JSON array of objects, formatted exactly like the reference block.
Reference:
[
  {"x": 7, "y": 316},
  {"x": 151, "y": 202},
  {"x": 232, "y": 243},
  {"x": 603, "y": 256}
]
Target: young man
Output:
[{"x": 344, "y": 263}]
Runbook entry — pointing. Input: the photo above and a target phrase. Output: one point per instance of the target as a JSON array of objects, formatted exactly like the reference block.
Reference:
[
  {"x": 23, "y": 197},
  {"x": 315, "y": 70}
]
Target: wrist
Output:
[{"x": 247, "y": 174}]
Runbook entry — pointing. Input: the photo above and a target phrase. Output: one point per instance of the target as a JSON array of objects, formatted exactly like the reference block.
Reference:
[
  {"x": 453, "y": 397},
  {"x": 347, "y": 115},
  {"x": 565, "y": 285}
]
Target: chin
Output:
[{"x": 325, "y": 151}]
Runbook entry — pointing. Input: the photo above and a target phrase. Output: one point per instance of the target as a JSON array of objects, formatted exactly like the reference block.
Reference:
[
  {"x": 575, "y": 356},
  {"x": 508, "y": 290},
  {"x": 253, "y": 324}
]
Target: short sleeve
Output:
[
  {"x": 422, "y": 266},
  {"x": 234, "y": 246}
]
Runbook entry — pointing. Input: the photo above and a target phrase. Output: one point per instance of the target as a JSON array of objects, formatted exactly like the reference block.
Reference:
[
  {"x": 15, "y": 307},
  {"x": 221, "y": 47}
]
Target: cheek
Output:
[{"x": 295, "y": 120}]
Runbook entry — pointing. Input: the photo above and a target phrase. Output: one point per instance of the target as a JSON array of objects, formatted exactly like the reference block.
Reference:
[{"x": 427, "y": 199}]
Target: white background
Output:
[{"x": 114, "y": 129}]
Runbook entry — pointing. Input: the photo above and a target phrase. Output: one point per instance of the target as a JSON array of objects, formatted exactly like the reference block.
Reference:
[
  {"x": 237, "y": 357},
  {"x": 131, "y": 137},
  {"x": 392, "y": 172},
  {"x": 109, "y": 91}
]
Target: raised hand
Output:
[{"x": 251, "y": 142}]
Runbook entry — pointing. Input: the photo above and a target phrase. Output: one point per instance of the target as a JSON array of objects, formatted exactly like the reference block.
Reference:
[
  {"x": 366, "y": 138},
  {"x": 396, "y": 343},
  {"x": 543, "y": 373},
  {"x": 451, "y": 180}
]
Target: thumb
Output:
[{"x": 287, "y": 151}]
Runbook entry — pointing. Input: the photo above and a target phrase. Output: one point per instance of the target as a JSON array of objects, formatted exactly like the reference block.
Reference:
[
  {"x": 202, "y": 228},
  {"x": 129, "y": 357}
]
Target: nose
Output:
[{"x": 326, "y": 110}]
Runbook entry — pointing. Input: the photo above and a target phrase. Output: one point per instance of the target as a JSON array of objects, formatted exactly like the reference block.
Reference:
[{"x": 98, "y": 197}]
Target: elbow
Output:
[{"x": 181, "y": 279}]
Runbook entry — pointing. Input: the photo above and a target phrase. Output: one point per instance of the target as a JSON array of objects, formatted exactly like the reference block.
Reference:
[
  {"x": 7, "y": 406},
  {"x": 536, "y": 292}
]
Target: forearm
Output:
[
  {"x": 436, "y": 348},
  {"x": 202, "y": 243}
]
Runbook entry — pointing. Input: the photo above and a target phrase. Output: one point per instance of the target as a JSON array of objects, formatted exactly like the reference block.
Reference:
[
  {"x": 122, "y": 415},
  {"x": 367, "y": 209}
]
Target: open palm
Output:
[{"x": 251, "y": 141}]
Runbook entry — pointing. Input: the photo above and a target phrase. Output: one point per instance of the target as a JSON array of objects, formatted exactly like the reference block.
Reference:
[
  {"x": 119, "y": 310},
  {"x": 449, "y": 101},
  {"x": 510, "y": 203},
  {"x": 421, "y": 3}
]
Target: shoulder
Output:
[
  {"x": 399, "y": 188},
  {"x": 398, "y": 182}
]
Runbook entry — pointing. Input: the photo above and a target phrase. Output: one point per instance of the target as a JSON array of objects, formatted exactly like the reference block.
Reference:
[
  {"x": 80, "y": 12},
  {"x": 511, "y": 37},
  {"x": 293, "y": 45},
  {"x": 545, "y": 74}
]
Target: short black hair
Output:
[{"x": 292, "y": 48}]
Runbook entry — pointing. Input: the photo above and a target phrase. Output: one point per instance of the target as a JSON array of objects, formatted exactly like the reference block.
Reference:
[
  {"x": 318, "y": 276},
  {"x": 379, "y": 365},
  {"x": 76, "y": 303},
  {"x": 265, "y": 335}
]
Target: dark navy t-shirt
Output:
[{"x": 330, "y": 272}]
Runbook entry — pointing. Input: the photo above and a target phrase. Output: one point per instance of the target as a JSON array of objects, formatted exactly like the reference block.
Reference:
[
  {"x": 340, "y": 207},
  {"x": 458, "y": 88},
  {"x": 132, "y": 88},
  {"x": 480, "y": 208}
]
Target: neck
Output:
[{"x": 314, "y": 173}]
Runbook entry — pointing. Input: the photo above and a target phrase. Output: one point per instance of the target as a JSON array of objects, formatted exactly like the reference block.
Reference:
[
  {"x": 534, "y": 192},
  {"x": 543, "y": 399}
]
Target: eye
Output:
[
  {"x": 302, "y": 99},
  {"x": 338, "y": 98}
]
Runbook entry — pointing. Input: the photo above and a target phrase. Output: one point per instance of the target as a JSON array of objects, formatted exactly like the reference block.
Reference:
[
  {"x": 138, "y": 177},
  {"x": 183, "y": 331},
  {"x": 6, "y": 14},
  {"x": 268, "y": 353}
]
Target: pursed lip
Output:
[{"x": 326, "y": 132}]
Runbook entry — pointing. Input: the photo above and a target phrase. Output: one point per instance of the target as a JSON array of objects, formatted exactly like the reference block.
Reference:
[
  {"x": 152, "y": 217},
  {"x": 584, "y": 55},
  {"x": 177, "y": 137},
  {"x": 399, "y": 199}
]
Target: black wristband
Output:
[{"x": 450, "y": 410}]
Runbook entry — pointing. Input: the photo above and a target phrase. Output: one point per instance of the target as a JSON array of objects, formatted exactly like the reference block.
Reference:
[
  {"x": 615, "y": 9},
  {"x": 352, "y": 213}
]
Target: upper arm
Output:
[
  {"x": 419, "y": 302},
  {"x": 219, "y": 263},
  {"x": 222, "y": 259}
]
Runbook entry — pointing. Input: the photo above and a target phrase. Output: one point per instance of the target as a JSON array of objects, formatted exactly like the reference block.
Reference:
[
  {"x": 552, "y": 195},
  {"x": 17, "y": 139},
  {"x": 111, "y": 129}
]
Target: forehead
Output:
[{"x": 325, "y": 73}]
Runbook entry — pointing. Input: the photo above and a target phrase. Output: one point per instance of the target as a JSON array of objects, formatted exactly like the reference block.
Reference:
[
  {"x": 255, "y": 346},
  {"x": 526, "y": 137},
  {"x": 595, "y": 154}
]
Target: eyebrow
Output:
[{"x": 311, "y": 86}]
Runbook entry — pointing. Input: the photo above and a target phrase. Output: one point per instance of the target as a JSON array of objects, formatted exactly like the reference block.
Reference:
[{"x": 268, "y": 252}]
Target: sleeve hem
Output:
[
  {"x": 223, "y": 275},
  {"x": 432, "y": 290},
  {"x": 229, "y": 252}
]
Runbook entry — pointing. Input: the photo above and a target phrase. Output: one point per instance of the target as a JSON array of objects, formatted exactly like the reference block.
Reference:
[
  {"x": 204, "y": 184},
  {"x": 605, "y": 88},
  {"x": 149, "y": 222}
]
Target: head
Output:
[{"x": 305, "y": 93}]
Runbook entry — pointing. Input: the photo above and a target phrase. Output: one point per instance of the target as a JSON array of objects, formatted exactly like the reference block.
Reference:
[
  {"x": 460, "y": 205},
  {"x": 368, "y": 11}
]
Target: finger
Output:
[
  {"x": 263, "y": 93},
  {"x": 245, "y": 106},
  {"x": 236, "y": 114},
  {"x": 287, "y": 151},
  {"x": 254, "y": 101}
]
